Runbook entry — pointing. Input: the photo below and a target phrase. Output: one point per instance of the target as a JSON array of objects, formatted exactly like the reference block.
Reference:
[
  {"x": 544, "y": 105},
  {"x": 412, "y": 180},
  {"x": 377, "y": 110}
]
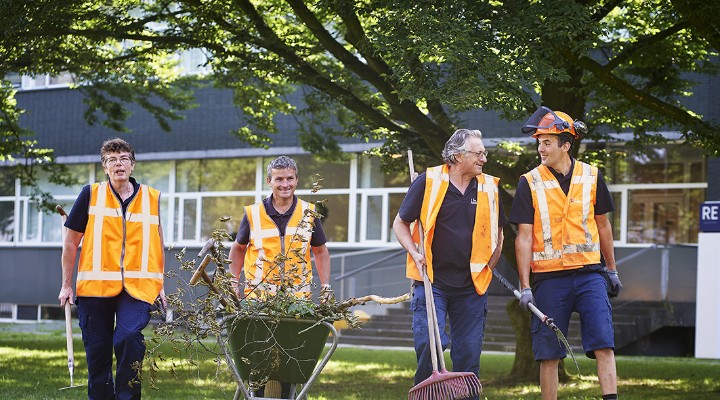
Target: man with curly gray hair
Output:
[{"x": 462, "y": 219}]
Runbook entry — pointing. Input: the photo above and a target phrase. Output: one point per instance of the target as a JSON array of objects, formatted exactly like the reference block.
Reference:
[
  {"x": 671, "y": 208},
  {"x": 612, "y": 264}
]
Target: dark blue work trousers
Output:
[
  {"x": 466, "y": 311},
  {"x": 109, "y": 323}
]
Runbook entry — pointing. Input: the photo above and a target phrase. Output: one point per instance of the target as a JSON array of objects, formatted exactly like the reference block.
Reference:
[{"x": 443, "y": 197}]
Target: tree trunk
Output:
[{"x": 524, "y": 369}]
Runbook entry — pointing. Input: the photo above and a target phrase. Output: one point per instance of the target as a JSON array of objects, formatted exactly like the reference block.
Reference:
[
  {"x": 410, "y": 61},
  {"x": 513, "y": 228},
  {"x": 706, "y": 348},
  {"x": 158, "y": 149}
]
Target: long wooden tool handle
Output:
[
  {"x": 68, "y": 329},
  {"x": 69, "y": 340},
  {"x": 436, "y": 352}
]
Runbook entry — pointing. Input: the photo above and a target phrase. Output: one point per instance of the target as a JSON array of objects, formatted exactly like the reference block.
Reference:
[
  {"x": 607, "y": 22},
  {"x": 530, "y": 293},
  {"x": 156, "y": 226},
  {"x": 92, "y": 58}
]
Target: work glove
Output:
[
  {"x": 614, "y": 284},
  {"x": 326, "y": 294},
  {"x": 526, "y": 297}
]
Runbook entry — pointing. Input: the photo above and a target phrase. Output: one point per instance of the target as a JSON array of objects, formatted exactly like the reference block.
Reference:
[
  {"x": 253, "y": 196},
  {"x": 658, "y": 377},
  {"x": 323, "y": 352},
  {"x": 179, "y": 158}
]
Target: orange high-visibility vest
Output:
[
  {"x": 122, "y": 252},
  {"x": 485, "y": 230},
  {"x": 262, "y": 272},
  {"x": 565, "y": 234}
]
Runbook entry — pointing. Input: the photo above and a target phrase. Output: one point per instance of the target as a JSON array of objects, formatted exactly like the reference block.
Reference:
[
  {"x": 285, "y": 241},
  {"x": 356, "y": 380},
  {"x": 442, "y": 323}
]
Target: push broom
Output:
[{"x": 442, "y": 384}]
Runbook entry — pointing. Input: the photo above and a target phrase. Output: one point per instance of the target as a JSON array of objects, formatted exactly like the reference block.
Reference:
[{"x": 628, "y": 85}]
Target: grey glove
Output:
[
  {"x": 526, "y": 297},
  {"x": 614, "y": 284}
]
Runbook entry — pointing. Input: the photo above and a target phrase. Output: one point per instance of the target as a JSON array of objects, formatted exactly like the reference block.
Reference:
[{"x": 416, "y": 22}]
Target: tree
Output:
[{"x": 400, "y": 71}]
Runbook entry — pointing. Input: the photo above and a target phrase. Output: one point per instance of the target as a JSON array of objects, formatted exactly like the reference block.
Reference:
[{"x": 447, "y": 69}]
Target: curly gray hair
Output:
[
  {"x": 456, "y": 144},
  {"x": 282, "y": 162}
]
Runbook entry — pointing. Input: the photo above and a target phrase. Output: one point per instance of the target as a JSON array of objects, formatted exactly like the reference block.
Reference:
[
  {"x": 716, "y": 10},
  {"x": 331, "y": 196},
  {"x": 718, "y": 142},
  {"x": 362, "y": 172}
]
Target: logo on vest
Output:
[{"x": 473, "y": 201}]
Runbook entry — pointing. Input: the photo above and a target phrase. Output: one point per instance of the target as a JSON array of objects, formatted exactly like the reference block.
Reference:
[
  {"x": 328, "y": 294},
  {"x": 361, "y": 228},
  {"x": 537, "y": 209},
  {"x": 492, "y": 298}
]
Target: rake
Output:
[{"x": 442, "y": 384}]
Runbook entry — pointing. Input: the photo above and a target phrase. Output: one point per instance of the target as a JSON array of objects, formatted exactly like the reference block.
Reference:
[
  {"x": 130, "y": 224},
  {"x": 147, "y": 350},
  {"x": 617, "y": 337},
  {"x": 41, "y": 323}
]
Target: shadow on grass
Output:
[{"x": 34, "y": 366}]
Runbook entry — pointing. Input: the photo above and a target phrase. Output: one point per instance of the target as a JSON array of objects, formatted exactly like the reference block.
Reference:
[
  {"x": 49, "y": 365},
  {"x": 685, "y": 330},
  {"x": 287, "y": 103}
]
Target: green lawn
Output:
[{"x": 34, "y": 366}]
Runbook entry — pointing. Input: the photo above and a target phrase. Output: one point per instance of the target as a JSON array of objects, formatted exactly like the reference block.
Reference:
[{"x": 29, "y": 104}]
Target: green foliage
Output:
[
  {"x": 394, "y": 71},
  {"x": 103, "y": 49}
]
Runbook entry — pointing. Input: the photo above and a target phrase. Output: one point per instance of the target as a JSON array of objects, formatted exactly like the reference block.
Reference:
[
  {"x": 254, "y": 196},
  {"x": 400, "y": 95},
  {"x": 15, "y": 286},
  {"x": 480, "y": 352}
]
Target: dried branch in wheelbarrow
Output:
[{"x": 251, "y": 328}]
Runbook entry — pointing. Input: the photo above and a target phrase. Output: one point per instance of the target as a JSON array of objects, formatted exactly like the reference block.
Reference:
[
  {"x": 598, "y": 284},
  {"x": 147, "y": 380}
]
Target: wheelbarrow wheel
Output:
[{"x": 273, "y": 389}]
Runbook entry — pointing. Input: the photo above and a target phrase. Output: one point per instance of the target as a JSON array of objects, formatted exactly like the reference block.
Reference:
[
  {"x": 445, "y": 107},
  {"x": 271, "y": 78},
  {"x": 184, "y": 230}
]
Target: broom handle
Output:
[
  {"x": 430, "y": 311},
  {"x": 436, "y": 353},
  {"x": 436, "y": 344}
]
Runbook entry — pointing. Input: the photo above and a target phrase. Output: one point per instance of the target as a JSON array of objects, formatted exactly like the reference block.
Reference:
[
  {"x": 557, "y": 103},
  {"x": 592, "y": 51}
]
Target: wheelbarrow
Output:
[
  {"x": 287, "y": 350},
  {"x": 260, "y": 348}
]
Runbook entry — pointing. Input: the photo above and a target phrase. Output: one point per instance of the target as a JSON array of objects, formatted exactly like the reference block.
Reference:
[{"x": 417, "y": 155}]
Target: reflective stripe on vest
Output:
[
  {"x": 266, "y": 244},
  {"x": 121, "y": 252},
  {"x": 565, "y": 234},
  {"x": 487, "y": 211}
]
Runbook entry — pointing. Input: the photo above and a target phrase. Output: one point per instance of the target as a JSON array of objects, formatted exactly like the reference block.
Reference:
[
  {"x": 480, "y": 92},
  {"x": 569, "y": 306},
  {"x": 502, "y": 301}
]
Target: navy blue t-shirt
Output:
[
  {"x": 78, "y": 218},
  {"x": 281, "y": 220},
  {"x": 452, "y": 242}
]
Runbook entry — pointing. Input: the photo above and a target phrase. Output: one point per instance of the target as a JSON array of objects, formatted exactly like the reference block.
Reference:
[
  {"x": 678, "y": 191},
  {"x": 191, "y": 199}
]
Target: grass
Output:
[{"x": 33, "y": 365}]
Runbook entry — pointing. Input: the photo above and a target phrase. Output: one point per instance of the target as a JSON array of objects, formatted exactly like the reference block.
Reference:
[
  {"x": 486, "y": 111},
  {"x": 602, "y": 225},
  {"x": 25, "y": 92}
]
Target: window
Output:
[
  {"x": 670, "y": 164},
  {"x": 46, "y": 81},
  {"x": 215, "y": 175},
  {"x": 7, "y": 221},
  {"x": 229, "y": 174},
  {"x": 334, "y": 174},
  {"x": 666, "y": 216},
  {"x": 14, "y": 78},
  {"x": 187, "y": 176},
  {"x": 78, "y": 172},
  {"x": 369, "y": 175},
  {"x": 335, "y": 215},
  {"x": 616, "y": 216},
  {"x": 7, "y": 182},
  {"x": 213, "y": 208},
  {"x": 663, "y": 189},
  {"x": 193, "y": 61},
  {"x": 155, "y": 174},
  {"x": 52, "y": 223}
]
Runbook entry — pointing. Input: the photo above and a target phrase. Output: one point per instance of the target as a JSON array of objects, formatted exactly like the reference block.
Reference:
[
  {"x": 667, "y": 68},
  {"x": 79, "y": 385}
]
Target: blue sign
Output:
[{"x": 710, "y": 216}]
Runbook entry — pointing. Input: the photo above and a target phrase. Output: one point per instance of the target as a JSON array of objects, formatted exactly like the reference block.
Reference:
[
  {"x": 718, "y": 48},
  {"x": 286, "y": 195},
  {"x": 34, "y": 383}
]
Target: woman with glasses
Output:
[{"x": 120, "y": 272}]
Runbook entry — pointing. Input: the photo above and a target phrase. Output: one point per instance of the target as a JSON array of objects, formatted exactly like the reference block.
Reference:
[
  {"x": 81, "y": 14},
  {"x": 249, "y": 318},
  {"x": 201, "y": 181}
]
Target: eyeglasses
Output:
[
  {"x": 478, "y": 154},
  {"x": 121, "y": 160}
]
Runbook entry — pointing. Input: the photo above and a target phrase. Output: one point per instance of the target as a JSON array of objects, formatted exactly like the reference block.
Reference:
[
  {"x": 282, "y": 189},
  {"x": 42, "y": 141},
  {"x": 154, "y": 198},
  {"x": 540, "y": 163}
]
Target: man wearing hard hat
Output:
[{"x": 560, "y": 209}]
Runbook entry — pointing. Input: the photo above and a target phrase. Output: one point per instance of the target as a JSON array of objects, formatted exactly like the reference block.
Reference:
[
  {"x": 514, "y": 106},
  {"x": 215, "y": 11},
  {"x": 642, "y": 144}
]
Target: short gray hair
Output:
[
  {"x": 456, "y": 144},
  {"x": 282, "y": 162}
]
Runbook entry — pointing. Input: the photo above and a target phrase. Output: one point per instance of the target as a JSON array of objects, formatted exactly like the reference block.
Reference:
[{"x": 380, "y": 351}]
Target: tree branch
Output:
[
  {"x": 644, "y": 42},
  {"x": 637, "y": 96},
  {"x": 273, "y": 43},
  {"x": 605, "y": 9},
  {"x": 356, "y": 36}
]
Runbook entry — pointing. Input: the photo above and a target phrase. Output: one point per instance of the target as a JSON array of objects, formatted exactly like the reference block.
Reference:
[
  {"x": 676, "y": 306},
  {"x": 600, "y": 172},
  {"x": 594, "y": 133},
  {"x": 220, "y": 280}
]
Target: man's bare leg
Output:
[
  {"x": 549, "y": 379},
  {"x": 607, "y": 374}
]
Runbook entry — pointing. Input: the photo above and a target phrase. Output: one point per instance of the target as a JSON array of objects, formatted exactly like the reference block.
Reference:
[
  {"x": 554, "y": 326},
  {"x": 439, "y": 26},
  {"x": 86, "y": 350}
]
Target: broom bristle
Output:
[{"x": 446, "y": 386}]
